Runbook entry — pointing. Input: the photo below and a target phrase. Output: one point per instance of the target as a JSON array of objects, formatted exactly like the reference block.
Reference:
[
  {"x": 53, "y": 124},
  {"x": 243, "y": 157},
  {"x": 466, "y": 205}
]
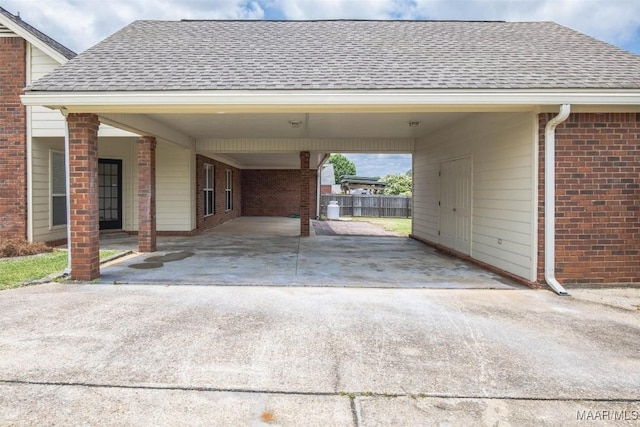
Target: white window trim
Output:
[
  {"x": 209, "y": 172},
  {"x": 52, "y": 194},
  {"x": 228, "y": 190}
]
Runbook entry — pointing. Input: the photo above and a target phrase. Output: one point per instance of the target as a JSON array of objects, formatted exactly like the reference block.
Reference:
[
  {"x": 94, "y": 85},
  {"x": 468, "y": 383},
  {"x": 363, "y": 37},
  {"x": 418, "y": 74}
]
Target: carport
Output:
[
  {"x": 258, "y": 106},
  {"x": 268, "y": 251}
]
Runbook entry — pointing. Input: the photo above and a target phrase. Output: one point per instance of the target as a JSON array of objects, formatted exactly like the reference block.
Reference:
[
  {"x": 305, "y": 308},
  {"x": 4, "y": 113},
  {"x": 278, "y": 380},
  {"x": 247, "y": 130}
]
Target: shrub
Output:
[{"x": 17, "y": 247}]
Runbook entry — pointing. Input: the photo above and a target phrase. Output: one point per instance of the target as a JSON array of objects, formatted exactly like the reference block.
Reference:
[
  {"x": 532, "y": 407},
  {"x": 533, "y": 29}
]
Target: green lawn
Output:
[
  {"x": 15, "y": 272},
  {"x": 399, "y": 226}
]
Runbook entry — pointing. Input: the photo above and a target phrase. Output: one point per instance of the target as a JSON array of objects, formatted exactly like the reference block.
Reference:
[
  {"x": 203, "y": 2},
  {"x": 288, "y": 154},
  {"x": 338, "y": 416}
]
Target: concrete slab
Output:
[
  {"x": 268, "y": 252},
  {"x": 416, "y": 410},
  {"x": 101, "y": 351},
  {"x": 625, "y": 298},
  {"x": 37, "y": 405}
]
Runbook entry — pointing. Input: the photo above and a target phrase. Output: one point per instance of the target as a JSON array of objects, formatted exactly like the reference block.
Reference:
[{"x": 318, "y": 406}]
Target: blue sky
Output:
[{"x": 79, "y": 24}]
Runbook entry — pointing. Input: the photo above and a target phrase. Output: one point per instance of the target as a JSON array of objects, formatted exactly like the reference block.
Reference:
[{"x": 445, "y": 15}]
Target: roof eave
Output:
[
  {"x": 327, "y": 100},
  {"x": 33, "y": 39}
]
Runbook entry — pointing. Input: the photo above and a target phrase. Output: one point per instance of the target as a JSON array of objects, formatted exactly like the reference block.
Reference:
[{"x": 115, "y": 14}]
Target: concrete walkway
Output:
[
  {"x": 268, "y": 252},
  {"x": 100, "y": 354}
]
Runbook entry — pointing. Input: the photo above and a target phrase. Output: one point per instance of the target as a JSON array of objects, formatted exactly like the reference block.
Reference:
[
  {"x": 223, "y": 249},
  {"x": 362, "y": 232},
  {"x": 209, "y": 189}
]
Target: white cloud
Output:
[
  {"x": 80, "y": 24},
  {"x": 336, "y": 9}
]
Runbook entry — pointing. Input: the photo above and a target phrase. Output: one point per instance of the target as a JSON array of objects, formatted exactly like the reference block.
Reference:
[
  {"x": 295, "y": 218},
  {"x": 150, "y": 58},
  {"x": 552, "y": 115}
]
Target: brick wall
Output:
[
  {"x": 597, "y": 199},
  {"x": 275, "y": 192},
  {"x": 220, "y": 215},
  {"x": 13, "y": 139}
]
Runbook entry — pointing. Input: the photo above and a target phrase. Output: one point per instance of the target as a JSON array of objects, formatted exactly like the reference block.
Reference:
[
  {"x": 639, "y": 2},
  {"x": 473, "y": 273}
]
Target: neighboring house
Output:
[
  {"x": 352, "y": 184},
  {"x": 475, "y": 103}
]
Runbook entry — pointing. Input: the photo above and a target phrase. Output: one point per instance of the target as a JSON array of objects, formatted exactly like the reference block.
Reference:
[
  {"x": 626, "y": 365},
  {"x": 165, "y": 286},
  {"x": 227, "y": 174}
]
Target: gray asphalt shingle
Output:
[{"x": 263, "y": 55}]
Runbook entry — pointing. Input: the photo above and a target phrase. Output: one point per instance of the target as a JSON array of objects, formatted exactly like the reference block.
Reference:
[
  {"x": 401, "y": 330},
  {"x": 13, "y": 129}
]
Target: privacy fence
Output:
[{"x": 369, "y": 205}]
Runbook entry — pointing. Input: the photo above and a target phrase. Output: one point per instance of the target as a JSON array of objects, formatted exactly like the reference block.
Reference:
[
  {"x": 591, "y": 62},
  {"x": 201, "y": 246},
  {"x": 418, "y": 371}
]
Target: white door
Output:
[{"x": 455, "y": 204}]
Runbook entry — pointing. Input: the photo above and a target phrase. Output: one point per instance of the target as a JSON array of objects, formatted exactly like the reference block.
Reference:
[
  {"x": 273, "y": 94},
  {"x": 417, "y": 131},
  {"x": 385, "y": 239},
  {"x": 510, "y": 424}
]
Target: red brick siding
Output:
[
  {"x": 305, "y": 200},
  {"x": 220, "y": 215},
  {"x": 13, "y": 139},
  {"x": 597, "y": 199},
  {"x": 274, "y": 192},
  {"x": 146, "y": 194},
  {"x": 83, "y": 172}
]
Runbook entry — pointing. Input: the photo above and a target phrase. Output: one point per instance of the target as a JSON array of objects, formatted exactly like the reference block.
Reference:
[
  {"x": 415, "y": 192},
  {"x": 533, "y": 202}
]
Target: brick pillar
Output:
[
  {"x": 13, "y": 139},
  {"x": 83, "y": 171},
  {"x": 147, "y": 194},
  {"x": 305, "y": 176}
]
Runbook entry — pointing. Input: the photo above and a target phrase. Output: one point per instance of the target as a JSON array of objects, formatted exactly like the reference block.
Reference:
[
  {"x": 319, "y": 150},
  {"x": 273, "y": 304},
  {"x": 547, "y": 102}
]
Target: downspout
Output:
[
  {"x": 319, "y": 184},
  {"x": 67, "y": 177},
  {"x": 550, "y": 199}
]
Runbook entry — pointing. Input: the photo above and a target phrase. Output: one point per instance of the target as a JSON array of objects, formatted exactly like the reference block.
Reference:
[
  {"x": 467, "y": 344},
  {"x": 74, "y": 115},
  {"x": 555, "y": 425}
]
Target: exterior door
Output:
[
  {"x": 455, "y": 204},
  {"x": 110, "y": 194}
]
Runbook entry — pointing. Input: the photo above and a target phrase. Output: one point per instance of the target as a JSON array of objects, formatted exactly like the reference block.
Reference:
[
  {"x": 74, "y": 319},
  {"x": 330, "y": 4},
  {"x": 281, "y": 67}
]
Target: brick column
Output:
[
  {"x": 13, "y": 139},
  {"x": 305, "y": 175},
  {"x": 84, "y": 220},
  {"x": 146, "y": 194}
]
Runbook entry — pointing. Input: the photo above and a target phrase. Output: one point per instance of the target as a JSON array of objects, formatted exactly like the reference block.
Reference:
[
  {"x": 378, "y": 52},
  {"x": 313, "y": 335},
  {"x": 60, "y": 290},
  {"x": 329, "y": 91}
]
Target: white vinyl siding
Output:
[
  {"x": 44, "y": 121},
  {"x": 41, "y": 190},
  {"x": 58, "y": 188},
  {"x": 228, "y": 190},
  {"x": 208, "y": 191},
  {"x": 368, "y": 145},
  {"x": 504, "y": 193},
  {"x": 173, "y": 187}
]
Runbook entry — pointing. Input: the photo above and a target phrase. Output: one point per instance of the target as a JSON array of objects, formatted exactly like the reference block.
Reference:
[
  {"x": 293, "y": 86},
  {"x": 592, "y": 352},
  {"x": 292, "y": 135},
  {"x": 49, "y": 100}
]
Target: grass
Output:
[
  {"x": 15, "y": 272},
  {"x": 399, "y": 226}
]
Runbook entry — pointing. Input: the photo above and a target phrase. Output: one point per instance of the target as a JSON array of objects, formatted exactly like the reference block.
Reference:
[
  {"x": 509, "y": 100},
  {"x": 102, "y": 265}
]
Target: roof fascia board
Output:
[
  {"x": 25, "y": 34},
  {"x": 318, "y": 101}
]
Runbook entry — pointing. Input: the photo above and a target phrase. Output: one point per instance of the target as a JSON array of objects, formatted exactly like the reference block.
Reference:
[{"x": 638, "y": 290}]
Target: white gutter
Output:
[
  {"x": 227, "y": 101},
  {"x": 550, "y": 199},
  {"x": 67, "y": 176}
]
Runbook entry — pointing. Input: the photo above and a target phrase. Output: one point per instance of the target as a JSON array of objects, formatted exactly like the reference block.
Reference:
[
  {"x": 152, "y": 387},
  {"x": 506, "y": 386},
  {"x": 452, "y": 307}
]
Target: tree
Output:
[
  {"x": 341, "y": 166},
  {"x": 398, "y": 185}
]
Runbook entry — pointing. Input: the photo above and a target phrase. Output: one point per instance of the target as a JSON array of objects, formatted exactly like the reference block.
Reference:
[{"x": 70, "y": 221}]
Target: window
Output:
[
  {"x": 208, "y": 190},
  {"x": 58, "y": 189},
  {"x": 228, "y": 191}
]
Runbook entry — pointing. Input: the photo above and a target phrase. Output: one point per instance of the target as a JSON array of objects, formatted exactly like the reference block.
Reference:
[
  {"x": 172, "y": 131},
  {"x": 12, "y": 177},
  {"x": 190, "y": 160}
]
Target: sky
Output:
[{"x": 79, "y": 24}]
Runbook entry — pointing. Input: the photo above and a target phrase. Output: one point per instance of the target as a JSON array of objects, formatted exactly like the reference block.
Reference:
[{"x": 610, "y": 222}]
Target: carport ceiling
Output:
[{"x": 301, "y": 125}]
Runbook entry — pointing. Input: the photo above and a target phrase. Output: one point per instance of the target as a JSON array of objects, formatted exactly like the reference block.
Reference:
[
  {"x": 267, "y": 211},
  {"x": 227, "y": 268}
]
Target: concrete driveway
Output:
[
  {"x": 101, "y": 354},
  {"x": 268, "y": 252}
]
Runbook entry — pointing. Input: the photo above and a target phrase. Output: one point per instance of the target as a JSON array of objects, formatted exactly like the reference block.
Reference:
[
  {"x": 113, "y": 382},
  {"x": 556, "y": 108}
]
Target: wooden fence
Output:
[{"x": 369, "y": 205}]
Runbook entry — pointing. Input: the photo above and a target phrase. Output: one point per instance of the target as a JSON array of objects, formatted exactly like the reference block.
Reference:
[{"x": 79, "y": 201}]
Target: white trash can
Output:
[{"x": 333, "y": 210}]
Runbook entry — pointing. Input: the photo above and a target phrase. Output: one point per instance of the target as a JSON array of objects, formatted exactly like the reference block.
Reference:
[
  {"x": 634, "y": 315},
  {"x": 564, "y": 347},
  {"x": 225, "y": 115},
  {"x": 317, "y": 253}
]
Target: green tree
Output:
[
  {"x": 341, "y": 166},
  {"x": 398, "y": 185}
]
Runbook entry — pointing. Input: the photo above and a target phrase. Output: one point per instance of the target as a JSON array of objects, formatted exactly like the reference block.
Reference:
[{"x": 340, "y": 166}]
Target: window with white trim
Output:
[
  {"x": 228, "y": 190},
  {"x": 58, "y": 189},
  {"x": 208, "y": 192}
]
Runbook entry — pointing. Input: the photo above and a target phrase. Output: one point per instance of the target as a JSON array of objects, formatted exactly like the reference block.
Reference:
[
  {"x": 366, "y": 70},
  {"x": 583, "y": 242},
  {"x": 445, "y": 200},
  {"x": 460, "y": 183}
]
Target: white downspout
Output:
[
  {"x": 67, "y": 188},
  {"x": 319, "y": 184},
  {"x": 550, "y": 199}
]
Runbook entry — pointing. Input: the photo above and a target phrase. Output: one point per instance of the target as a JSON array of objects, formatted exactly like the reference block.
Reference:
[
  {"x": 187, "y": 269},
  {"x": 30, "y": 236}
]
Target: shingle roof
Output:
[
  {"x": 64, "y": 51},
  {"x": 263, "y": 55}
]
